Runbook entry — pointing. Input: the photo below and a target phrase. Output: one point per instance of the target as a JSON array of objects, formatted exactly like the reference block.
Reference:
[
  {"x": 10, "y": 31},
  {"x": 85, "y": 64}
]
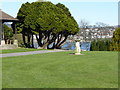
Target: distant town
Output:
[{"x": 93, "y": 33}]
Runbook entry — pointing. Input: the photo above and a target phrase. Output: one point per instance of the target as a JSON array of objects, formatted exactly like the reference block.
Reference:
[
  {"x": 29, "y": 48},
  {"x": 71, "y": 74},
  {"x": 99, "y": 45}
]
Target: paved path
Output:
[{"x": 29, "y": 53}]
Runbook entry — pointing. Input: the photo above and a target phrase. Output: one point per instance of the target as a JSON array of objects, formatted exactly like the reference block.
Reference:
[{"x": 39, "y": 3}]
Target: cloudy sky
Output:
[{"x": 93, "y": 11}]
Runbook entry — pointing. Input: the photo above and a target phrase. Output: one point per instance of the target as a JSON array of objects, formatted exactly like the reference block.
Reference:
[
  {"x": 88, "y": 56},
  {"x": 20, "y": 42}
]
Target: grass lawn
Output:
[
  {"x": 19, "y": 50},
  {"x": 61, "y": 70}
]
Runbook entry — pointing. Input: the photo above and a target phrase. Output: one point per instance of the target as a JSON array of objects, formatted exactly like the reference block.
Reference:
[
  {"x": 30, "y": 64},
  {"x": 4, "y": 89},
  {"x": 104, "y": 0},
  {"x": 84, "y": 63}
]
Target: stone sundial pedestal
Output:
[{"x": 77, "y": 46}]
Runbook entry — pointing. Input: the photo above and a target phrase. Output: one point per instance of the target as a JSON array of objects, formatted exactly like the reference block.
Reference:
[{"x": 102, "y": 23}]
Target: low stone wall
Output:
[{"x": 8, "y": 46}]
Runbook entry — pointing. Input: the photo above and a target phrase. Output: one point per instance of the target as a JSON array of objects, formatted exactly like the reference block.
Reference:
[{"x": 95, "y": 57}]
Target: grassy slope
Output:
[
  {"x": 19, "y": 50},
  {"x": 61, "y": 70}
]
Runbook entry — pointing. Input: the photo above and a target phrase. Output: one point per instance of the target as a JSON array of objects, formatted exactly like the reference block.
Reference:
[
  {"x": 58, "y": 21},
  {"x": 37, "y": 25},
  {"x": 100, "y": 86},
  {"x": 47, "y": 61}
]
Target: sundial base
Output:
[{"x": 78, "y": 54}]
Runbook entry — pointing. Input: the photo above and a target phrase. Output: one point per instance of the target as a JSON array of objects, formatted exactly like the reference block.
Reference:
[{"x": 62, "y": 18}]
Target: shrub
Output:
[{"x": 100, "y": 45}]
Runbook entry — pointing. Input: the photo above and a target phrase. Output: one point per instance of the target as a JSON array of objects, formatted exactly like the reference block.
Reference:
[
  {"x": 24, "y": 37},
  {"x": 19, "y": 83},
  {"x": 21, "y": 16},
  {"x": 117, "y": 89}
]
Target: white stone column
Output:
[
  {"x": 15, "y": 42},
  {"x": 2, "y": 42}
]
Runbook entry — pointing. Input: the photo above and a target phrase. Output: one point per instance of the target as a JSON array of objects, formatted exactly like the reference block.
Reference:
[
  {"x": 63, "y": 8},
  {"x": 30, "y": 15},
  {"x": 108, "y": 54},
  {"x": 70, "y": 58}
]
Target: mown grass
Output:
[
  {"x": 61, "y": 70},
  {"x": 19, "y": 50}
]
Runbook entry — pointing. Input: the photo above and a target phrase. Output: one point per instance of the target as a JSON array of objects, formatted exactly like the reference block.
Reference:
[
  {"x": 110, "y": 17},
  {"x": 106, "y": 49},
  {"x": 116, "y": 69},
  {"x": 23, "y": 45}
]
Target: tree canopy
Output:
[
  {"x": 8, "y": 32},
  {"x": 116, "y": 40},
  {"x": 51, "y": 24}
]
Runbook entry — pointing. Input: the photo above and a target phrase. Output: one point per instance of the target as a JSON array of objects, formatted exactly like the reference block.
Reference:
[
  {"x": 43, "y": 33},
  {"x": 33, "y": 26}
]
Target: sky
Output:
[{"x": 91, "y": 11}]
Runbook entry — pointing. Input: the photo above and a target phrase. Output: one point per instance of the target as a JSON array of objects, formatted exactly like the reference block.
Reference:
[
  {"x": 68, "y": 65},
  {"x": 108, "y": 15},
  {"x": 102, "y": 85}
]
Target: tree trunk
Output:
[
  {"x": 45, "y": 45},
  {"x": 24, "y": 40},
  {"x": 60, "y": 45},
  {"x": 40, "y": 38},
  {"x": 32, "y": 41},
  {"x": 28, "y": 41},
  {"x": 53, "y": 40},
  {"x": 37, "y": 40},
  {"x": 59, "y": 40}
]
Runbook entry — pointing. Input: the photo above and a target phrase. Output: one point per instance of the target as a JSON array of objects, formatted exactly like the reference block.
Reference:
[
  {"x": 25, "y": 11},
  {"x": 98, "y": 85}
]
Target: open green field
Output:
[
  {"x": 19, "y": 50},
  {"x": 61, "y": 70}
]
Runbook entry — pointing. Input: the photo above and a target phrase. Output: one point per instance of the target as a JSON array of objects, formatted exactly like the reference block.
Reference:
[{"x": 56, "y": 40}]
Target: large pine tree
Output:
[{"x": 49, "y": 21}]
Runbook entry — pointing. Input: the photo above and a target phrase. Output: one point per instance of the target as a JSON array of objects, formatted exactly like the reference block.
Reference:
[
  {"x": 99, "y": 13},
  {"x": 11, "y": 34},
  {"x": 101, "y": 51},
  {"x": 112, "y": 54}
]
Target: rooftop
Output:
[{"x": 6, "y": 17}]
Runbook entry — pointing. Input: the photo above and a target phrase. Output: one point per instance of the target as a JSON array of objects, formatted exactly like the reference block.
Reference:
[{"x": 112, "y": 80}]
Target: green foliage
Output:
[
  {"x": 47, "y": 20},
  {"x": 115, "y": 46},
  {"x": 65, "y": 9},
  {"x": 23, "y": 12},
  {"x": 8, "y": 32},
  {"x": 100, "y": 45},
  {"x": 72, "y": 25}
]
